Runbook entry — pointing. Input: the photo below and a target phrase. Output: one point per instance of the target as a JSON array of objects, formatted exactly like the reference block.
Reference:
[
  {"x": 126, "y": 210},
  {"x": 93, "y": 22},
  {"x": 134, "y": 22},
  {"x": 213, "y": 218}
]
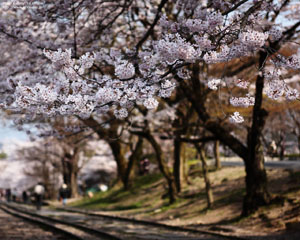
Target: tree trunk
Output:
[
  {"x": 46, "y": 178},
  {"x": 253, "y": 160},
  {"x": 74, "y": 185},
  {"x": 208, "y": 190},
  {"x": 256, "y": 178},
  {"x": 281, "y": 154},
  {"x": 134, "y": 157},
  {"x": 298, "y": 138},
  {"x": 172, "y": 192},
  {"x": 70, "y": 172},
  {"x": 120, "y": 159},
  {"x": 217, "y": 154},
  {"x": 178, "y": 165},
  {"x": 66, "y": 168},
  {"x": 256, "y": 183},
  {"x": 282, "y": 147},
  {"x": 111, "y": 137}
]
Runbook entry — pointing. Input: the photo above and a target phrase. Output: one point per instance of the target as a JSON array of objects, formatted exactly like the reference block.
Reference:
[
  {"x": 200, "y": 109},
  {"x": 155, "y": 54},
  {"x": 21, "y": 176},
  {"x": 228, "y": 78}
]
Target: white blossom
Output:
[
  {"x": 241, "y": 83},
  {"x": 275, "y": 33},
  {"x": 275, "y": 89},
  {"x": 124, "y": 69},
  {"x": 242, "y": 101},
  {"x": 121, "y": 113},
  {"x": 291, "y": 94},
  {"x": 253, "y": 39},
  {"x": 236, "y": 118},
  {"x": 151, "y": 103},
  {"x": 213, "y": 84}
]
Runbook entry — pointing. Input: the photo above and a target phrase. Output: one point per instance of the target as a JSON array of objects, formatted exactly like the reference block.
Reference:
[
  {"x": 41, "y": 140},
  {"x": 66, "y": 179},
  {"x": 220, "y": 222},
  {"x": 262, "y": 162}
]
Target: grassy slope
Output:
[{"x": 145, "y": 201}]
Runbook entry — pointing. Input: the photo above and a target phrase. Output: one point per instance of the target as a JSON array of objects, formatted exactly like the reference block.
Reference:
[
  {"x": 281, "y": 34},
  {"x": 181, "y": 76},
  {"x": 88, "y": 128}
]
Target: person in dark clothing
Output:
[
  {"x": 64, "y": 193},
  {"x": 146, "y": 165},
  {"x": 39, "y": 191},
  {"x": 8, "y": 195},
  {"x": 25, "y": 197}
]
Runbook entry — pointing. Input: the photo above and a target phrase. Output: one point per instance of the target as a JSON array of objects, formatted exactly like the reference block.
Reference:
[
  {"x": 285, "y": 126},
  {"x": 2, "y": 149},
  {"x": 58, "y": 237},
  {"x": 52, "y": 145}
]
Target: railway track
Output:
[
  {"x": 71, "y": 230},
  {"x": 122, "y": 228},
  {"x": 13, "y": 227},
  {"x": 154, "y": 224},
  {"x": 149, "y": 223}
]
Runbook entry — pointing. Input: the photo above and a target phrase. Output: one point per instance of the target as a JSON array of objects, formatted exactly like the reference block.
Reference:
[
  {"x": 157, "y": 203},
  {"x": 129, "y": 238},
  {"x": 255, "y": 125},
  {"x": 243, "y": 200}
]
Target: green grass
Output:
[
  {"x": 193, "y": 162},
  {"x": 147, "y": 180},
  {"x": 116, "y": 195},
  {"x": 131, "y": 206},
  {"x": 176, "y": 204}
]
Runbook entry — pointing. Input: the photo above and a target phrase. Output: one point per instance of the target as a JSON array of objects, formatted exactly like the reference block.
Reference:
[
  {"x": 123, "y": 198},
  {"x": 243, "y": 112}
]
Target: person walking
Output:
[
  {"x": 64, "y": 193},
  {"x": 39, "y": 192},
  {"x": 25, "y": 196},
  {"x": 8, "y": 194}
]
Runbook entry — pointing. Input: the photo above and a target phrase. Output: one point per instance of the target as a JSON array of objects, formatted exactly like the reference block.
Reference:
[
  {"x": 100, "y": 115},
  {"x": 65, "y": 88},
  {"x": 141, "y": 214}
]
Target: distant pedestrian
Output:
[
  {"x": 8, "y": 194},
  {"x": 14, "y": 194},
  {"x": 273, "y": 149},
  {"x": 25, "y": 197},
  {"x": 1, "y": 195},
  {"x": 39, "y": 192},
  {"x": 64, "y": 193},
  {"x": 146, "y": 165}
]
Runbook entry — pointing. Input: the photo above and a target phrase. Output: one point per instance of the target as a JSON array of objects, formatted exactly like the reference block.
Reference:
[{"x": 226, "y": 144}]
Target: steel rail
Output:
[
  {"x": 51, "y": 227},
  {"x": 95, "y": 232},
  {"x": 149, "y": 223}
]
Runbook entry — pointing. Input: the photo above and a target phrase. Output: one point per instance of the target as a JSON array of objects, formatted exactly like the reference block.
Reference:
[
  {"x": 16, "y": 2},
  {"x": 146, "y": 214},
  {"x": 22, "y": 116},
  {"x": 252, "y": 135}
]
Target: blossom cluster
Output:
[
  {"x": 236, "y": 118},
  {"x": 242, "y": 101},
  {"x": 277, "y": 87},
  {"x": 173, "y": 47},
  {"x": 71, "y": 93},
  {"x": 242, "y": 83},
  {"x": 201, "y": 32},
  {"x": 213, "y": 84}
]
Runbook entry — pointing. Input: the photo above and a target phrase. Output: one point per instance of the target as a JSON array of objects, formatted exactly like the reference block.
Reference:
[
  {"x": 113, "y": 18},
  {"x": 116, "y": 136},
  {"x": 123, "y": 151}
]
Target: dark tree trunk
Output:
[
  {"x": 46, "y": 179},
  {"x": 74, "y": 174},
  {"x": 70, "y": 172},
  {"x": 74, "y": 185},
  {"x": 111, "y": 137},
  {"x": 282, "y": 147},
  {"x": 256, "y": 178},
  {"x": 172, "y": 192},
  {"x": 133, "y": 159},
  {"x": 178, "y": 166},
  {"x": 208, "y": 190},
  {"x": 256, "y": 188},
  {"x": 66, "y": 168},
  {"x": 298, "y": 138},
  {"x": 164, "y": 169},
  {"x": 217, "y": 154},
  {"x": 281, "y": 154},
  {"x": 120, "y": 159},
  {"x": 256, "y": 183}
]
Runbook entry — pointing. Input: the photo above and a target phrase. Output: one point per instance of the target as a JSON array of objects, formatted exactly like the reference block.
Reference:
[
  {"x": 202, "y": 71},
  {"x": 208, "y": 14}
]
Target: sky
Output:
[
  {"x": 10, "y": 140},
  {"x": 8, "y": 134}
]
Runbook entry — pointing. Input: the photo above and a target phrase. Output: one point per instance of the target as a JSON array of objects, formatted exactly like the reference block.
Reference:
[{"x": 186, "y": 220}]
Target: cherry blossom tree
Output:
[{"x": 95, "y": 58}]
